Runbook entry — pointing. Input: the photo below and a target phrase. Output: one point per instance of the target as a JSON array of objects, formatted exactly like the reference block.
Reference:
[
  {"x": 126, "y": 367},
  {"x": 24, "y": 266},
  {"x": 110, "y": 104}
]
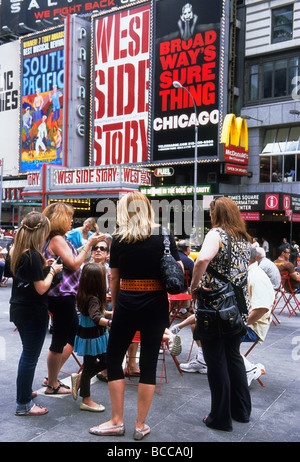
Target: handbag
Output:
[
  {"x": 172, "y": 275},
  {"x": 219, "y": 312}
]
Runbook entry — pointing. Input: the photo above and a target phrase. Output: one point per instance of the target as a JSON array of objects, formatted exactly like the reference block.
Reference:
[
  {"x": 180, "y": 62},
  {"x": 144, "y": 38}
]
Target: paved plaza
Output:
[{"x": 176, "y": 415}]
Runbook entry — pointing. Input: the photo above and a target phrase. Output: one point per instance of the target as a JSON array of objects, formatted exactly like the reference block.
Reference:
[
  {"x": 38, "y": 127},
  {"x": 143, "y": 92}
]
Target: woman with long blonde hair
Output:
[
  {"x": 140, "y": 303},
  {"x": 32, "y": 277}
]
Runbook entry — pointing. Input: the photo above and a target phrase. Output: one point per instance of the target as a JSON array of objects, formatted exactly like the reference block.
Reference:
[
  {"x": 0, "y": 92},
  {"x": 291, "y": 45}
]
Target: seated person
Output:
[
  {"x": 269, "y": 267},
  {"x": 262, "y": 295},
  {"x": 184, "y": 250},
  {"x": 283, "y": 264},
  {"x": 196, "y": 364}
]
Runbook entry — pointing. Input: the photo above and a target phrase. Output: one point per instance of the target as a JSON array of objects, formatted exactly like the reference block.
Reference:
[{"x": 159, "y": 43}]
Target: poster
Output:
[
  {"x": 187, "y": 50},
  {"x": 42, "y": 99},
  {"x": 121, "y": 86},
  {"x": 9, "y": 106}
]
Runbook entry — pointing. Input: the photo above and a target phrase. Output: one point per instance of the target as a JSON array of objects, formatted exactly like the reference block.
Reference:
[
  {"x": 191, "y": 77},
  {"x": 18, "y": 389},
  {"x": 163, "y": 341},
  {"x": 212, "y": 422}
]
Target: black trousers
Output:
[
  {"x": 230, "y": 396},
  {"x": 91, "y": 366}
]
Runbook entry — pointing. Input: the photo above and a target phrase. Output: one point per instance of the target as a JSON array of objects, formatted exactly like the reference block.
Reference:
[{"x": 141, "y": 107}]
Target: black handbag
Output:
[
  {"x": 219, "y": 311},
  {"x": 172, "y": 275}
]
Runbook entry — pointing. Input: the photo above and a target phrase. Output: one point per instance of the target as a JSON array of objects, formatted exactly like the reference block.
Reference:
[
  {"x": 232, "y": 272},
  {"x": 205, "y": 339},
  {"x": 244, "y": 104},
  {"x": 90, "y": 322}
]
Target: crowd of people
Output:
[{"x": 99, "y": 292}]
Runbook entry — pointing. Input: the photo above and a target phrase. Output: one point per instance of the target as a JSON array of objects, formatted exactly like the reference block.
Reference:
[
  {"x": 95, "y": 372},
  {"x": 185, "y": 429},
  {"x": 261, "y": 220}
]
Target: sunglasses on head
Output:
[{"x": 100, "y": 247}]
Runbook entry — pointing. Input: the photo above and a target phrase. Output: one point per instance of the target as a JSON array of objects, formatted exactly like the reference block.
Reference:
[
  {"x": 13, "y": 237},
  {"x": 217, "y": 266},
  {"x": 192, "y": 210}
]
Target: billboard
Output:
[
  {"x": 9, "y": 106},
  {"x": 25, "y": 16},
  {"x": 42, "y": 90},
  {"x": 187, "y": 50},
  {"x": 121, "y": 86}
]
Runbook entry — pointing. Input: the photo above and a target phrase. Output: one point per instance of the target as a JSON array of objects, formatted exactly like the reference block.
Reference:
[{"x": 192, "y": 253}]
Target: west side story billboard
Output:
[
  {"x": 189, "y": 49},
  {"x": 121, "y": 86}
]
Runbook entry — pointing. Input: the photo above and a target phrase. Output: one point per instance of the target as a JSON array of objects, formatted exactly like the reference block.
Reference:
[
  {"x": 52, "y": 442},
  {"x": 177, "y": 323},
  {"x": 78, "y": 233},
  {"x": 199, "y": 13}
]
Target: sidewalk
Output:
[{"x": 176, "y": 416}]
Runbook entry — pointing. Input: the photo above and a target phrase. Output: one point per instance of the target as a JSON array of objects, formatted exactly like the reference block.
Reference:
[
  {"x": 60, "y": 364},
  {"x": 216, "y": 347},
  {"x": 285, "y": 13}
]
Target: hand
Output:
[
  {"x": 57, "y": 267},
  {"x": 50, "y": 261},
  {"x": 95, "y": 238}
]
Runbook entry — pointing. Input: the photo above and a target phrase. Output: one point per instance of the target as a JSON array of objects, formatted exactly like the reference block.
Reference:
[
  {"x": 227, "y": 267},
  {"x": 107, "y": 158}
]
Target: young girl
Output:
[
  {"x": 32, "y": 277},
  {"x": 92, "y": 337}
]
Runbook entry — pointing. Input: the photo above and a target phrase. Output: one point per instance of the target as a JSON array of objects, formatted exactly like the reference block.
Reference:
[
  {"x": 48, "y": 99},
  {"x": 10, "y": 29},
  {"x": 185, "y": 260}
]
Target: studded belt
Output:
[{"x": 142, "y": 285}]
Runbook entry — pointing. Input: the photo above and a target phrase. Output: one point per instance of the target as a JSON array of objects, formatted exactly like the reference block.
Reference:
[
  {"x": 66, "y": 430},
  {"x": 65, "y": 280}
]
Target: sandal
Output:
[
  {"x": 35, "y": 410},
  {"x": 114, "y": 430},
  {"x": 44, "y": 384},
  {"x": 56, "y": 390},
  {"x": 139, "y": 433}
]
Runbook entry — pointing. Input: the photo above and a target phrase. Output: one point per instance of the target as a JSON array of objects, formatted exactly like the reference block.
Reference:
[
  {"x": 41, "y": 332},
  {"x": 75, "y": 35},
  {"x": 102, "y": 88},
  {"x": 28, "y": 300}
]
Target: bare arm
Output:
[
  {"x": 115, "y": 285},
  {"x": 255, "y": 315},
  {"x": 42, "y": 286},
  {"x": 59, "y": 247},
  {"x": 209, "y": 250}
]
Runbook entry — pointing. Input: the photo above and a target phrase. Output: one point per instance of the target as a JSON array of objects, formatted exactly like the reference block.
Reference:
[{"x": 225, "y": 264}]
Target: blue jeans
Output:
[
  {"x": 250, "y": 336},
  {"x": 32, "y": 337}
]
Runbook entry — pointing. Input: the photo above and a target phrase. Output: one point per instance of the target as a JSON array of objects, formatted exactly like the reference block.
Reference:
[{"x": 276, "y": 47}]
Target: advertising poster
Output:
[
  {"x": 121, "y": 86},
  {"x": 42, "y": 93},
  {"x": 28, "y": 15},
  {"x": 187, "y": 50},
  {"x": 9, "y": 106}
]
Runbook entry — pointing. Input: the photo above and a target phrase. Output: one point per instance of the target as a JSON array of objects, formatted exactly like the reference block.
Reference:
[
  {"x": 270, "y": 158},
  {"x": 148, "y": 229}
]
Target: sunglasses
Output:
[{"x": 101, "y": 248}]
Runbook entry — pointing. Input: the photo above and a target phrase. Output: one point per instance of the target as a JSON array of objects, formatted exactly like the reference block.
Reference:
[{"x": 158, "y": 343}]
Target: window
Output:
[
  {"x": 280, "y": 158},
  {"x": 282, "y": 24},
  {"x": 271, "y": 78}
]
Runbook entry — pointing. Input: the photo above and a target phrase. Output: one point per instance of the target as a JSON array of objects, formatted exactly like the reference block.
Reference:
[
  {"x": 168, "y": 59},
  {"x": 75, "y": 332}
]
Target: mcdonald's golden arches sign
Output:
[{"x": 234, "y": 145}]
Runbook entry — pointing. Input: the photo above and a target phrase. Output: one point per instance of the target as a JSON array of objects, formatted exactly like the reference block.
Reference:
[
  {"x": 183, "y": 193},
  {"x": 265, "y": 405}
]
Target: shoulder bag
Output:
[
  {"x": 219, "y": 313},
  {"x": 172, "y": 275}
]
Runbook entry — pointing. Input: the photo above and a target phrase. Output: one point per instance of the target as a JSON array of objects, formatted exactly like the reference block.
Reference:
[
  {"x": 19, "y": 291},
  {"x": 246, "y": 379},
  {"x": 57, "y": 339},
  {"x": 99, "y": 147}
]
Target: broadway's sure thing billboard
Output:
[
  {"x": 187, "y": 50},
  {"x": 121, "y": 86},
  {"x": 42, "y": 87}
]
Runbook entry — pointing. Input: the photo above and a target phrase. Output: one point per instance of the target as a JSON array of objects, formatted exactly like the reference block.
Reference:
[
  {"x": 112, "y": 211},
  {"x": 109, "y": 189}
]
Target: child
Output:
[{"x": 92, "y": 337}]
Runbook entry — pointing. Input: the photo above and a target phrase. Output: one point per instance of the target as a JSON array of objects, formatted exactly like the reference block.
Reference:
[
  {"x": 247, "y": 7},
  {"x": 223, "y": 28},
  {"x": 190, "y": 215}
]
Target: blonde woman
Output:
[
  {"x": 79, "y": 236},
  {"x": 32, "y": 278},
  {"x": 140, "y": 303},
  {"x": 62, "y": 297}
]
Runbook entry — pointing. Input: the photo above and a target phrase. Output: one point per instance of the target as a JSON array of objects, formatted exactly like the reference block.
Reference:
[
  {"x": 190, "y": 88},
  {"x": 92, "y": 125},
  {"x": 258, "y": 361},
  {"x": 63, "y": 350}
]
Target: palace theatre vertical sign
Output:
[{"x": 121, "y": 85}]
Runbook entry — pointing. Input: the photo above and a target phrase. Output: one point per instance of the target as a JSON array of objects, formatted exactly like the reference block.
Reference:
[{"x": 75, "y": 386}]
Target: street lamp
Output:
[{"x": 178, "y": 85}]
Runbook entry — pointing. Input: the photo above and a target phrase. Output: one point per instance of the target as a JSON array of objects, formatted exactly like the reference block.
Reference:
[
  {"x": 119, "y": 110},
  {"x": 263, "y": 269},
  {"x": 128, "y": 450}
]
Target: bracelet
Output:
[
  {"x": 86, "y": 251},
  {"x": 108, "y": 322},
  {"x": 53, "y": 273}
]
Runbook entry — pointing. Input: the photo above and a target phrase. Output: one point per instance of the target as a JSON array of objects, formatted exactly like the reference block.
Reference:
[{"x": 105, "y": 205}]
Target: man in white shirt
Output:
[
  {"x": 262, "y": 295},
  {"x": 265, "y": 246},
  {"x": 269, "y": 267}
]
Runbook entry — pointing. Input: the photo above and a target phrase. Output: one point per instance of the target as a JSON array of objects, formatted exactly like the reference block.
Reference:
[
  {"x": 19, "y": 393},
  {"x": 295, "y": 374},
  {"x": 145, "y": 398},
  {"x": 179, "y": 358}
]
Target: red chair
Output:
[
  {"x": 162, "y": 357},
  {"x": 178, "y": 299},
  {"x": 287, "y": 295},
  {"x": 246, "y": 354}
]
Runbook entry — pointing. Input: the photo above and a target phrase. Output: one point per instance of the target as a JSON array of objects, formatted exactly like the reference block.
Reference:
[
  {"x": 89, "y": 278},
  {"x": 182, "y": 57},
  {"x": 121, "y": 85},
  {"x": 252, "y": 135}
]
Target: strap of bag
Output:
[
  {"x": 166, "y": 241},
  {"x": 216, "y": 273}
]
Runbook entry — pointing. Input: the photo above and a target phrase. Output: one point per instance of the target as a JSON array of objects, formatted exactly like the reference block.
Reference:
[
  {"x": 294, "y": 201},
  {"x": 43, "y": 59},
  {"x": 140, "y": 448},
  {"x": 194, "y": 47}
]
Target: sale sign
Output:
[{"x": 121, "y": 86}]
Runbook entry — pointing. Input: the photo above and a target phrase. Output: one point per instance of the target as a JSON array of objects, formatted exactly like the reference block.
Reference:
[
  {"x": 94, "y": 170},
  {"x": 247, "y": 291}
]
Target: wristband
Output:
[{"x": 108, "y": 322}]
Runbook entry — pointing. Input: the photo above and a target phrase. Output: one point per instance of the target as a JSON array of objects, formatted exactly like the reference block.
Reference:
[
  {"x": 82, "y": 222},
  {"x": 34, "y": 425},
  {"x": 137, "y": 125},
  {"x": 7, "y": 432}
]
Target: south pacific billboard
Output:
[
  {"x": 188, "y": 51},
  {"x": 121, "y": 86},
  {"x": 42, "y": 91}
]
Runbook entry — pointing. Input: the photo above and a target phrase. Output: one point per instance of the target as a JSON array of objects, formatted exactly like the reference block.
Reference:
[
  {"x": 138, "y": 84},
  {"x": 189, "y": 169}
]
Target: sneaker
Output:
[
  {"x": 255, "y": 373},
  {"x": 194, "y": 365},
  {"x": 175, "y": 330},
  {"x": 175, "y": 345}
]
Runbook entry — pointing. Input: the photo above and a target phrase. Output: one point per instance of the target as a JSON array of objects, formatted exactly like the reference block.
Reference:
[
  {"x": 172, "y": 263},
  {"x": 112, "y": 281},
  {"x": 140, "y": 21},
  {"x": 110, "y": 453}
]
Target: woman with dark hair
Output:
[
  {"x": 32, "y": 277},
  {"x": 140, "y": 303},
  {"x": 230, "y": 397},
  {"x": 62, "y": 297},
  {"x": 92, "y": 336}
]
